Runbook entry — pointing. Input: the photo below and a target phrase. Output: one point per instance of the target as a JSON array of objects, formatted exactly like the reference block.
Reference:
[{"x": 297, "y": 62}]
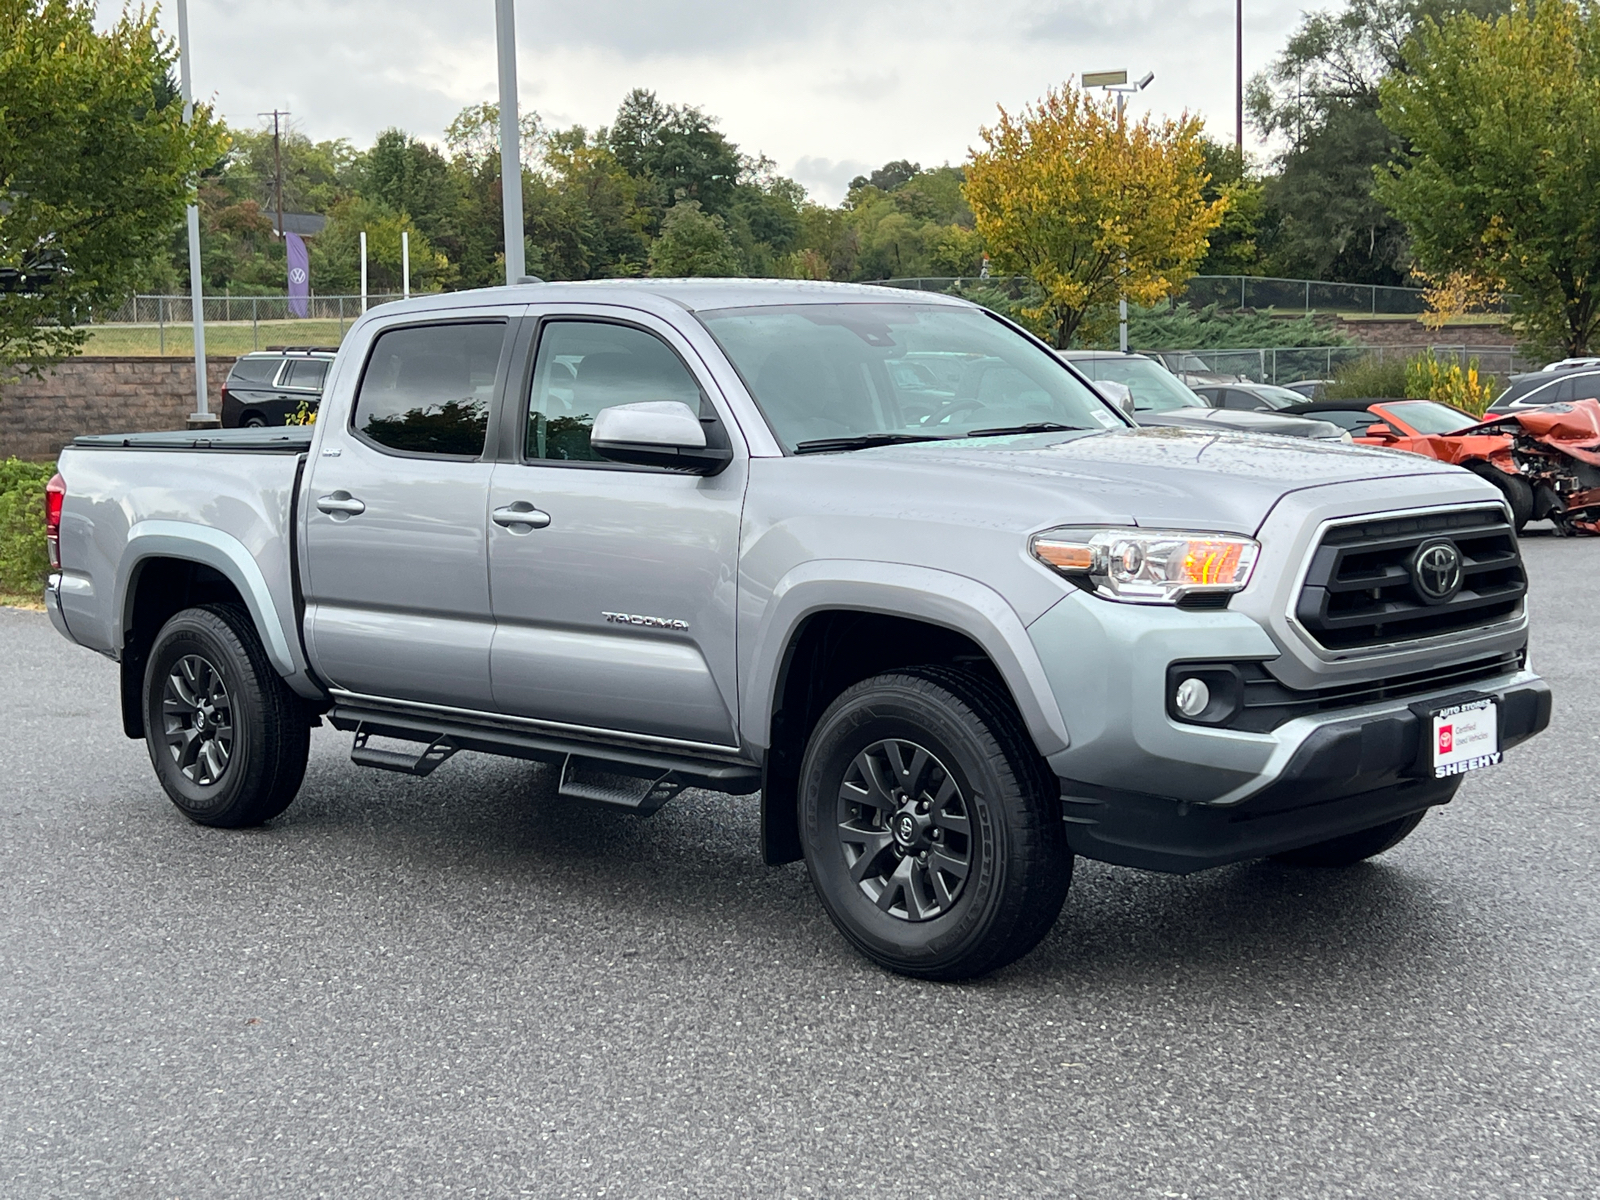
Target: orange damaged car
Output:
[{"x": 1436, "y": 431}]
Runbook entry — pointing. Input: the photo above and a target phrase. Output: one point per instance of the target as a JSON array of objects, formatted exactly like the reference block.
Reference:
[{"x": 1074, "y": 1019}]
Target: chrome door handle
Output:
[
  {"x": 520, "y": 517},
  {"x": 341, "y": 504}
]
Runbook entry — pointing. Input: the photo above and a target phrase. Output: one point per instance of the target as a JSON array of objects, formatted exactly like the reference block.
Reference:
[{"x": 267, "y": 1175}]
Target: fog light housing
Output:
[
  {"x": 1204, "y": 693},
  {"x": 1193, "y": 697}
]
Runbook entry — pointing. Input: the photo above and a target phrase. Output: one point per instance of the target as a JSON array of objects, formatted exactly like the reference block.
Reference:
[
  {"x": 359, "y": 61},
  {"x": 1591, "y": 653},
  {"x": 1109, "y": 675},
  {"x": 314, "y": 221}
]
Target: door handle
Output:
[
  {"x": 341, "y": 505},
  {"x": 520, "y": 517}
]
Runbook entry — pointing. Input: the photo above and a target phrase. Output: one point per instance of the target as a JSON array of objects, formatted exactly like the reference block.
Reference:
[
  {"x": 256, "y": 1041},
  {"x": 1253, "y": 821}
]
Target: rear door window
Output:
[
  {"x": 427, "y": 389},
  {"x": 306, "y": 373},
  {"x": 258, "y": 371}
]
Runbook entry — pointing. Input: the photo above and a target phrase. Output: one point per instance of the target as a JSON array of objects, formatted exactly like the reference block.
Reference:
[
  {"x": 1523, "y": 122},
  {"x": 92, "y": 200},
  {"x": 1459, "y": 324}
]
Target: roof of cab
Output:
[{"x": 691, "y": 294}]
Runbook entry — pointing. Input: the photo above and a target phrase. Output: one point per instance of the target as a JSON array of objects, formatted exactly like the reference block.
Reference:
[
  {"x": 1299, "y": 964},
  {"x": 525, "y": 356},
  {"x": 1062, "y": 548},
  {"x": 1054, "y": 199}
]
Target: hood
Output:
[
  {"x": 1152, "y": 477},
  {"x": 1572, "y": 427},
  {"x": 1244, "y": 421}
]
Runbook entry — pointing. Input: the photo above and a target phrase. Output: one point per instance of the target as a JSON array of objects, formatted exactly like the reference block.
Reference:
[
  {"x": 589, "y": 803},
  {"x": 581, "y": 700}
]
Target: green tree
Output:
[
  {"x": 1502, "y": 169},
  {"x": 1321, "y": 218},
  {"x": 96, "y": 165},
  {"x": 1233, "y": 248},
  {"x": 336, "y": 252},
  {"x": 411, "y": 177},
  {"x": 692, "y": 242},
  {"x": 1091, "y": 207}
]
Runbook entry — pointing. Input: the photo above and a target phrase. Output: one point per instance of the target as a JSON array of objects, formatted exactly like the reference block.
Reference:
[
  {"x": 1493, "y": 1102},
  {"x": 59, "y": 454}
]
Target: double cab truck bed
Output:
[{"x": 883, "y": 559}]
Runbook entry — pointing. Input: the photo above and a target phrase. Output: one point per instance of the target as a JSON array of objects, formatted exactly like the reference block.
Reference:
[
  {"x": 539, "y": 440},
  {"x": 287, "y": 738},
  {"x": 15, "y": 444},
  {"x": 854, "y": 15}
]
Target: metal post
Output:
[
  {"x": 1308, "y": 295},
  {"x": 405, "y": 263},
  {"x": 1374, "y": 299},
  {"x": 363, "y": 270},
  {"x": 161, "y": 324},
  {"x": 1238, "y": 75},
  {"x": 255, "y": 326},
  {"x": 1122, "y": 309},
  {"x": 202, "y": 417},
  {"x": 505, "y": 32},
  {"x": 1241, "y": 291}
]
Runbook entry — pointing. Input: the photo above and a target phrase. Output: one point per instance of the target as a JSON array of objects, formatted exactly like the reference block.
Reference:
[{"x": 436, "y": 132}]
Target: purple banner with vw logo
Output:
[{"x": 299, "y": 273}]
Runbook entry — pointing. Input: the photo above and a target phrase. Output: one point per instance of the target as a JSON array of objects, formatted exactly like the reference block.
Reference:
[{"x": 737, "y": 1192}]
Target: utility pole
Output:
[
  {"x": 505, "y": 33},
  {"x": 202, "y": 417},
  {"x": 277, "y": 163},
  {"x": 363, "y": 270},
  {"x": 1238, "y": 76}
]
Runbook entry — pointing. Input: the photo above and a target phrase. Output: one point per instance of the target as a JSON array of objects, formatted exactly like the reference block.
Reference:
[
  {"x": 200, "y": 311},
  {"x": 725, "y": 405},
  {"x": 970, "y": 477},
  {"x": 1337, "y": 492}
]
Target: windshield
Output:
[
  {"x": 897, "y": 371},
  {"x": 1427, "y": 417},
  {"x": 1277, "y": 397},
  {"x": 1154, "y": 388}
]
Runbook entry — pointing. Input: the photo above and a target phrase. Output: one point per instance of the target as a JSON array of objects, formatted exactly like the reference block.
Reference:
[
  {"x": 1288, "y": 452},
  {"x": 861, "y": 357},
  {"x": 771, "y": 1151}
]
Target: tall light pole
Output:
[
  {"x": 1117, "y": 82},
  {"x": 1238, "y": 76},
  {"x": 505, "y": 32},
  {"x": 202, "y": 417}
]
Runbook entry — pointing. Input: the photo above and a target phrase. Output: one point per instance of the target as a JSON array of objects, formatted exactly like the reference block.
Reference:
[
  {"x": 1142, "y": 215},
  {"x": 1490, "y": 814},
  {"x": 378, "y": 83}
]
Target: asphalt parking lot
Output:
[{"x": 464, "y": 986}]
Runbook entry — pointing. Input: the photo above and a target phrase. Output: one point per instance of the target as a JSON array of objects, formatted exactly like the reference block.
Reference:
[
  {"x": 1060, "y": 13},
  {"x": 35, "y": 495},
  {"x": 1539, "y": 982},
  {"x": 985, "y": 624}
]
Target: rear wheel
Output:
[
  {"x": 254, "y": 421},
  {"x": 932, "y": 829},
  {"x": 1352, "y": 848},
  {"x": 227, "y": 737},
  {"x": 1517, "y": 491}
]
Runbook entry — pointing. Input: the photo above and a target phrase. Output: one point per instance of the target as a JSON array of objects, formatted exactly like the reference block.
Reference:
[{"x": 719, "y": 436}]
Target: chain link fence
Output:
[
  {"x": 1292, "y": 364},
  {"x": 179, "y": 310},
  {"x": 1238, "y": 291}
]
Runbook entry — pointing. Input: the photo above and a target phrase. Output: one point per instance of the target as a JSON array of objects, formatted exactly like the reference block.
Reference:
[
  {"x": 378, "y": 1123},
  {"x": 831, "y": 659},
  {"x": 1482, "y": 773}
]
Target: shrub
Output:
[
  {"x": 23, "y": 560},
  {"x": 1369, "y": 378},
  {"x": 1429, "y": 379}
]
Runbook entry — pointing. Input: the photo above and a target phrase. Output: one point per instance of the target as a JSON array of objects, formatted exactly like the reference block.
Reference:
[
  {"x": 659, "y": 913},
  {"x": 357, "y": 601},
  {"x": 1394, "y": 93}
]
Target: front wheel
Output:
[
  {"x": 932, "y": 829},
  {"x": 228, "y": 739}
]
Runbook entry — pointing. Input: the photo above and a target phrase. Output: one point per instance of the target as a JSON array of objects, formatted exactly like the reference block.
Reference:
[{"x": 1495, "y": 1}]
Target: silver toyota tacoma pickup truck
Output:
[{"x": 881, "y": 558}]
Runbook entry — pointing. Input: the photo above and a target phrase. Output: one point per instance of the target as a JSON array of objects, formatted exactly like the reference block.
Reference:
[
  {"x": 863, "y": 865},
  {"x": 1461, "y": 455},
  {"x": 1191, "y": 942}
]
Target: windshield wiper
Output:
[
  {"x": 865, "y": 441},
  {"x": 1031, "y": 427}
]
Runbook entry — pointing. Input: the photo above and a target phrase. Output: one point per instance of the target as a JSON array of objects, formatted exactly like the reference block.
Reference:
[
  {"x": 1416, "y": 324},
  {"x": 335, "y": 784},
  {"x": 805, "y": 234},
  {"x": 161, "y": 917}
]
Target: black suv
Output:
[
  {"x": 1555, "y": 386},
  {"x": 268, "y": 386}
]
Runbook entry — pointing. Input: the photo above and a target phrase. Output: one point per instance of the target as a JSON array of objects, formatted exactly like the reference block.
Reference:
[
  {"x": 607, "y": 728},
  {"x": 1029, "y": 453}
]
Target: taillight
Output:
[{"x": 55, "y": 492}]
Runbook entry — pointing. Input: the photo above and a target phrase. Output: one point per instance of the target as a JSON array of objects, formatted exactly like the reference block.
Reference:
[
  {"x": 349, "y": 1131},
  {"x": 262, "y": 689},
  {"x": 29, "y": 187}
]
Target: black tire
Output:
[
  {"x": 254, "y": 421},
  {"x": 227, "y": 737},
  {"x": 901, "y": 900},
  {"x": 1352, "y": 848},
  {"x": 1517, "y": 491}
]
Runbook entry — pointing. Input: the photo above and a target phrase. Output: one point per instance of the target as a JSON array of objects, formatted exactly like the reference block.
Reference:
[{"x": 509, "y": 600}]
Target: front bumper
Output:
[
  {"x": 1142, "y": 789},
  {"x": 1345, "y": 775}
]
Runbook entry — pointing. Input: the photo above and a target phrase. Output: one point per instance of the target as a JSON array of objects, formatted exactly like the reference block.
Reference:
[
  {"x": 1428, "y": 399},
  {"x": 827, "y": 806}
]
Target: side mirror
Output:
[
  {"x": 1380, "y": 430},
  {"x": 1118, "y": 393},
  {"x": 656, "y": 433}
]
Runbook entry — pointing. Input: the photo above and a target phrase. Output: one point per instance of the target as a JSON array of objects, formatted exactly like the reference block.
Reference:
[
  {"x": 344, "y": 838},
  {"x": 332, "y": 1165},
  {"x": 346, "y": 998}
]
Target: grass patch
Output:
[
  {"x": 33, "y": 603},
  {"x": 231, "y": 338}
]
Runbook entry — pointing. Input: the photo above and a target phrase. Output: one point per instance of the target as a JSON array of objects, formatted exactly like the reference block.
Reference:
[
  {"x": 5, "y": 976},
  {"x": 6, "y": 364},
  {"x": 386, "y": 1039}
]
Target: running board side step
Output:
[
  {"x": 426, "y": 763},
  {"x": 632, "y": 777}
]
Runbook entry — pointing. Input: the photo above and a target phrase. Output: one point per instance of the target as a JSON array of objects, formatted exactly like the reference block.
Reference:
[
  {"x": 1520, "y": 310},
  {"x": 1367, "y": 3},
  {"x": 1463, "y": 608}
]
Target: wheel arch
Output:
[
  {"x": 830, "y": 625},
  {"x": 167, "y": 566}
]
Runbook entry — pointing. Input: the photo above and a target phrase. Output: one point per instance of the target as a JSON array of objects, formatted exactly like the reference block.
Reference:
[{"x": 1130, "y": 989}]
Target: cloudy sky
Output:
[{"x": 827, "y": 88}]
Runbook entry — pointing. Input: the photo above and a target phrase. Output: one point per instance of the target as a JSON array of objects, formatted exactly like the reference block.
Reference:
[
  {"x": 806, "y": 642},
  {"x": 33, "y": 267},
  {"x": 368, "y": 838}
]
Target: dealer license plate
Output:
[{"x": 1466, "y": 737}]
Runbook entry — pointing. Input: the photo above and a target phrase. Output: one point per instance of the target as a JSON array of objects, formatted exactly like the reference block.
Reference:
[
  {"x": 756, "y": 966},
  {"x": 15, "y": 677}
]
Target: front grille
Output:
[
  {"x": 1268, "y": 704},
  {"x": 1360, "y": 592}
]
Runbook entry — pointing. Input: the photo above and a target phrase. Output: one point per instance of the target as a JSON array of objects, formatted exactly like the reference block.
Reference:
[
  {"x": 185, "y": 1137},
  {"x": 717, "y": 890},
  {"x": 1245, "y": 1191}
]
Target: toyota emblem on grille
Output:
[{"x": 1436, "y": 571}]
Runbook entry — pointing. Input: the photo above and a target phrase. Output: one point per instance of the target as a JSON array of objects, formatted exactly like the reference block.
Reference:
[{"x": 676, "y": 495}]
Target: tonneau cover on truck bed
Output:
[{"x": 294, "y": 439}]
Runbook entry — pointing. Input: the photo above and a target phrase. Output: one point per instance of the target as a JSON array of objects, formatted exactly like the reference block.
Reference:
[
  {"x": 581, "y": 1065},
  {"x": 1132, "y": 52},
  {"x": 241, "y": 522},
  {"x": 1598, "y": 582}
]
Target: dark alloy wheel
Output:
[
  {"x": 227, "y": 737},
  {"x": 197, "y": 720},
  {"x": 931, "y": 827},
  {"x": 905, "y": 830}
]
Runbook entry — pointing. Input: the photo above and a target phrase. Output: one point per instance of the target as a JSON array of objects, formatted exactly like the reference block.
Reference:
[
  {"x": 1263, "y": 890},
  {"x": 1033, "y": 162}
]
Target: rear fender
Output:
[{"x": 225, "y": 554}]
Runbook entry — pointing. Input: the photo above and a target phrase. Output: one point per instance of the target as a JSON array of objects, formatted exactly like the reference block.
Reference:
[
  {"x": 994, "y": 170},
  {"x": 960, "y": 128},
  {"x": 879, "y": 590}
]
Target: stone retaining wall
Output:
[
  {"x": 1407, "y": 331},
  {"x": 101, "y": 395}
]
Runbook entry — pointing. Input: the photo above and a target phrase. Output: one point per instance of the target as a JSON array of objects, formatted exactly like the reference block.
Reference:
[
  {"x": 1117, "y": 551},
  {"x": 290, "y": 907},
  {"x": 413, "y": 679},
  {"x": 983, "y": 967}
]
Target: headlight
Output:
[{"x": 1149, "y": 566}]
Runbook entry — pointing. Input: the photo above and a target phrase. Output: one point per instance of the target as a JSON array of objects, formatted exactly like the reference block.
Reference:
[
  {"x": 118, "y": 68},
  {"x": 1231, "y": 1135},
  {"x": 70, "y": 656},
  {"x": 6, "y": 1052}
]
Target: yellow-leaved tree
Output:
[{"x": 1092, "y": 207}]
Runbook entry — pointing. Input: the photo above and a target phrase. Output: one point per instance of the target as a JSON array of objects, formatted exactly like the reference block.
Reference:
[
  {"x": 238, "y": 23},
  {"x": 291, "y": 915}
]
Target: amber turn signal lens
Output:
[{"x": 1065, "y": 556}]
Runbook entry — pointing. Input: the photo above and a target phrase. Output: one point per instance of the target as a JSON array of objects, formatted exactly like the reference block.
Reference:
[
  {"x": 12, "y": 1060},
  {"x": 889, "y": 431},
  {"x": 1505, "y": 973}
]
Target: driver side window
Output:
[{"x": 585, "y": 366}]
